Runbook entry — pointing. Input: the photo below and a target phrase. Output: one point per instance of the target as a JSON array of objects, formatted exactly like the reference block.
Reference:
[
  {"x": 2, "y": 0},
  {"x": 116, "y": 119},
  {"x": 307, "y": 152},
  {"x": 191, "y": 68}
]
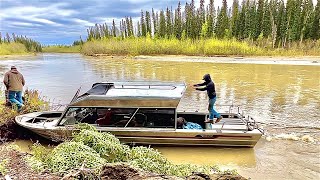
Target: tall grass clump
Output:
[
  {"x": 33, "y": 102},
  {"x": 93, "y": 149}
]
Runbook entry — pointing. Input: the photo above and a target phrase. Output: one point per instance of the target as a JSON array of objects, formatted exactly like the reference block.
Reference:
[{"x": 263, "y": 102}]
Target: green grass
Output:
[
  {"x": 12, "y": 49},
  {"x": 61, "y": 49},
  {"x": 94, "y": 149},
  {"x": 205, "y": 47}
]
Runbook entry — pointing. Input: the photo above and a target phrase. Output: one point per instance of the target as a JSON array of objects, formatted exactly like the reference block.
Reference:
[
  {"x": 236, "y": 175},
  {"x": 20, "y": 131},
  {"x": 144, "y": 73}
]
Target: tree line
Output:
[
  {"x": 279, "y": 22},
  {"x": 30, "y": 44}
]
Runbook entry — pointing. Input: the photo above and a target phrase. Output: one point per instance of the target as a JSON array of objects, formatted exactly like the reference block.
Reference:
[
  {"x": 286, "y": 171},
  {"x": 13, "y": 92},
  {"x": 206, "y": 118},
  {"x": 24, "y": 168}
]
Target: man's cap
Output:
[{"x": 13, "y": 67}]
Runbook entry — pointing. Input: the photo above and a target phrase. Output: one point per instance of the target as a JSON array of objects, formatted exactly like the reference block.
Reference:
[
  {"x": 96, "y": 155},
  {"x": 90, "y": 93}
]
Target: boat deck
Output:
[{"x": 228, "y": 124}]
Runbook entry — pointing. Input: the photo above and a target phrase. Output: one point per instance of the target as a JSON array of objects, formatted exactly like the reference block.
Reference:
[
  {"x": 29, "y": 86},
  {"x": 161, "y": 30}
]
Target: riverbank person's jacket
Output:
[
  {"x": 14, "y": 80},
  {"x": 209, "y": 86}
]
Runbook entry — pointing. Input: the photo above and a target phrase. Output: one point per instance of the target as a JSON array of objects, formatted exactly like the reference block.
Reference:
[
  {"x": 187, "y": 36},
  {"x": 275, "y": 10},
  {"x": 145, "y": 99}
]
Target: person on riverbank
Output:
[
  {"x": 209, "y": 86},
  {"x": 14, "y": 82}
]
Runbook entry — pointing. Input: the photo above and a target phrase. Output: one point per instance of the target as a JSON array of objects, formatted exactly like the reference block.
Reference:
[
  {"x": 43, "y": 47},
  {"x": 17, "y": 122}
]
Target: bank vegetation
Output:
[
  {"x": 18, "y": 45},
  {"x": 257, "y": 28},
  {"x": 61, "y": 49}
]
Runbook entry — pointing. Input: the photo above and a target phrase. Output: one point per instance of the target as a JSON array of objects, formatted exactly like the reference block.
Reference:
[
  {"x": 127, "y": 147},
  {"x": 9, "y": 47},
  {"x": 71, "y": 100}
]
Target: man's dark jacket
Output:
[{"x": 209, "y": 86}]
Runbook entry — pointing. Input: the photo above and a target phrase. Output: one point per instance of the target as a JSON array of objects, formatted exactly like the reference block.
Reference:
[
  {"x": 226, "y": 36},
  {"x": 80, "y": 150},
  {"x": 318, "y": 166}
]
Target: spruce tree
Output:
[
  {"x": 148, "y": 23},
  {"x": 127, "y": 24},
  {"x": 143, "y": 25},
  {"x": 315, "y": 30},
  {"x": 131, "y": 26},
  {"x": 162, "y": 25},
  {"x": 234, "y": 18},
  {"x": 306, "y": 19},
  {"x": 178, "y": 22},
  {"x": 266, "y": 30},
  {"x": 187, "y": 21},
  {"x": 154, "y": 20},
  {"x": 114, "y": 28},
  {"x": 202, "y": 12},
  {"x": 139, "y": 29},
  {"x": 259, "y": 18},
  {"x": 281, "y": 25},
  {"x": 222, "y": 21},
  {"x": 168, "y": 23},
  {"x": 210, "y": 19}
]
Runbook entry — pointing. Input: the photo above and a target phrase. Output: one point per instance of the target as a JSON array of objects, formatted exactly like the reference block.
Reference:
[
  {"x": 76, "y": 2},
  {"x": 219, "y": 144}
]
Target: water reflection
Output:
[
  {"x": 285, "y": 94},
  {"x": 271, "y": 93},
  {"x": 244, "y": 157}
]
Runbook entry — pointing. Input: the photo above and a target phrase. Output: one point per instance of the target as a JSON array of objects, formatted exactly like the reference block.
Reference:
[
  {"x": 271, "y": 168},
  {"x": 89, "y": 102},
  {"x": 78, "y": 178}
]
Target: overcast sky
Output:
[{"x": 62, "y": 22}]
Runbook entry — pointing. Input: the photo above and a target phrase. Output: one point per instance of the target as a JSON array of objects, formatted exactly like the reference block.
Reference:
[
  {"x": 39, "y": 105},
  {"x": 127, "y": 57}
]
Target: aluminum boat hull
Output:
[{"x": 213, "y": 136}]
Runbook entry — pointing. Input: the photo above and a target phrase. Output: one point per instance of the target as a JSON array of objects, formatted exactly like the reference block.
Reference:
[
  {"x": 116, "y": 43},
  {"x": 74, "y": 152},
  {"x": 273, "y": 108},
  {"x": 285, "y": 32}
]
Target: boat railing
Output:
[
  {"x": 231, "y": 108},
  {"x": 252, "y": 124}
]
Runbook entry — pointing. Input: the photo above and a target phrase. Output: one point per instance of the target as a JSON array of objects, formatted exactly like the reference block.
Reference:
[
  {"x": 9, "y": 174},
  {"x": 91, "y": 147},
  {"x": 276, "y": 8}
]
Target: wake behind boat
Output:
[{"x": 142, "y": 113}]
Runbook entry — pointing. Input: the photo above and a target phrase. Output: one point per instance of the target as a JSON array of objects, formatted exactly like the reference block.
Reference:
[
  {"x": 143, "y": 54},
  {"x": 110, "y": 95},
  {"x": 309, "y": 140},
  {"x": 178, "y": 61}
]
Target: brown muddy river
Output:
[{"x": 283, "y": 97}]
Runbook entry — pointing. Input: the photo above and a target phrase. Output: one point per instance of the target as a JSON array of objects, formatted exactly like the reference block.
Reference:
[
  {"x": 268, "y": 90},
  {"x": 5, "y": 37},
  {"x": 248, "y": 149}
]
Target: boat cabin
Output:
[
  {"x": 142, "y": 113},
  {"x": 126, "y": 104}
]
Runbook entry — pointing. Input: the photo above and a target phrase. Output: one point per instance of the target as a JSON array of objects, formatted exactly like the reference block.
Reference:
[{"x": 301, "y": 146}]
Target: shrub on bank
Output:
[
  {"x": 69, "y": 155},
  {"x": 61, "y": 49},
  {"x": 33, "y": 103},
  {"x": 101, "y": 148}
]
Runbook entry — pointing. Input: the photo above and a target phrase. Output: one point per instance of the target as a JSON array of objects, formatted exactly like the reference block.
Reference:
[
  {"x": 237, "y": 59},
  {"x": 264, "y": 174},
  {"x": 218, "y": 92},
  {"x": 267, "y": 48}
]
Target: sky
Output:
[{"x": 62, "y": 22}]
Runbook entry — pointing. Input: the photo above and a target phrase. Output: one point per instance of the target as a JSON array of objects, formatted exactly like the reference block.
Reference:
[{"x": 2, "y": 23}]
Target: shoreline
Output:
[
  {"x": 18, "y": 55},
  {"x": 277, "y": 60},
  {"x": 303, "y": 60}
]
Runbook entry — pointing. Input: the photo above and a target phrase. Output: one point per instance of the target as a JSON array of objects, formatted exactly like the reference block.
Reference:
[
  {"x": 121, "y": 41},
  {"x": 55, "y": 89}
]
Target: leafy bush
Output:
[
  {"x": 69, "y": 155},
  {"x": 94, "y": 149},
  {"x": 107, "y": 145}
]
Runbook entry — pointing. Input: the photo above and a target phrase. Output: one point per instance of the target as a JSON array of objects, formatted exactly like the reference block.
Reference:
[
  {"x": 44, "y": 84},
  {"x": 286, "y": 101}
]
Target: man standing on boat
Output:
[
  {"x": 211, "y": 91},
  {"x": 14, "y": 82}
]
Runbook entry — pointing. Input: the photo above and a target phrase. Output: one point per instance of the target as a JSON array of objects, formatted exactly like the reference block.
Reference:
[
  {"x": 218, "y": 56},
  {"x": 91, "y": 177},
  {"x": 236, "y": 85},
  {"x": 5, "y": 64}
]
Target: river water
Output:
[{"x": 282, "y": 95}]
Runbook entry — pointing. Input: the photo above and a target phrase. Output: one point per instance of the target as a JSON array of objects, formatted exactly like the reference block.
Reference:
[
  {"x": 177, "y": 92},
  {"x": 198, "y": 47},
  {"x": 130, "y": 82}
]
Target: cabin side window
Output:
[
  {"x": 155, "y": 117},
  {"x": 136, "y": 117},
  {"x": 121, "y": 117}
]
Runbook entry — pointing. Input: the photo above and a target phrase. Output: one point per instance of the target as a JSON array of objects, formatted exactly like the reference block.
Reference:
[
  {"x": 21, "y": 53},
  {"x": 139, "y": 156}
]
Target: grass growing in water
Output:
[
  {"x": 102, "y": 148},
  {"x": 61, "y": 49},
  {"x": 204, "y": 47}
]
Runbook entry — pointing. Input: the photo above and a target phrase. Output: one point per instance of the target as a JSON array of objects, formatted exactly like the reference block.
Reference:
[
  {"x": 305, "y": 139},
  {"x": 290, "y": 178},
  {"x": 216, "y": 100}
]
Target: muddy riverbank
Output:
[{"x": 14, "y": 165}]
